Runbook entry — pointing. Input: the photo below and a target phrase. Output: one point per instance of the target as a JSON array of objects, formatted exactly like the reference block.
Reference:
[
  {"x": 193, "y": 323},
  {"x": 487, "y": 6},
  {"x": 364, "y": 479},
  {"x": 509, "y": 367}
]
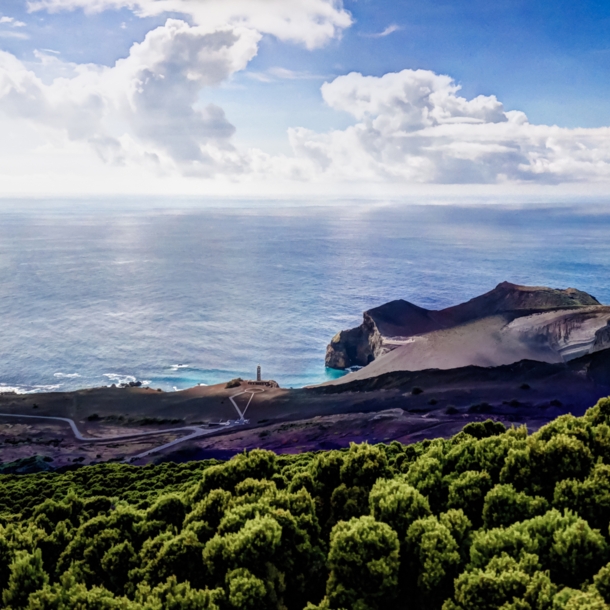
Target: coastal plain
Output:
[
  {"x": 519, "y": 355},
  {"x": 402, "y": 406}
]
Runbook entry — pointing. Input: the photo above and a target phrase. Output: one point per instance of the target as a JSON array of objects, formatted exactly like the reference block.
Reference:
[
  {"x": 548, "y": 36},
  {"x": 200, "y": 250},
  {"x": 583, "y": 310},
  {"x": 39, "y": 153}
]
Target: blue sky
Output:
[{"x": 551, "y": 61}]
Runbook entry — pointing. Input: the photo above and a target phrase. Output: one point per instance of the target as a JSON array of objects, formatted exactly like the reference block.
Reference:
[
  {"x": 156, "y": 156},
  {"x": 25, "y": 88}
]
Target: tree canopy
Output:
[{"x": 491, "y": 518}]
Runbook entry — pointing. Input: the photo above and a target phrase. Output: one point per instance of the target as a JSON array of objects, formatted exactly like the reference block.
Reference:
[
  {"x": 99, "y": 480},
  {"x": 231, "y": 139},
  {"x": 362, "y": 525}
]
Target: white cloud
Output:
[
  {"x": 286, "y": 74},
  {"x": 145, "y": 116},
  {"x": 145, "y": 109},
  {"x": 414, "y": 127},
  {"x": 408, "y": 100},
  {"x": 12, "y": 34},
  {"x": 261, "y": 77},
  {"x": 276, "y": 73},
  {"x": 12, "y": 21},
  {"x": 389, "y": 30},
  {"x": 309, "y": 22}
]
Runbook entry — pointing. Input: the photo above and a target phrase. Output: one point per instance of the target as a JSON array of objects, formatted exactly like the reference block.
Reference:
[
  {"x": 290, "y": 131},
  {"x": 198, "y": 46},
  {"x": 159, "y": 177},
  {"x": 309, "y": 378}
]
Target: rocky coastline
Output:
[
  {"x": 583, "y": 320},
  {"x": 518, "y": 355}
]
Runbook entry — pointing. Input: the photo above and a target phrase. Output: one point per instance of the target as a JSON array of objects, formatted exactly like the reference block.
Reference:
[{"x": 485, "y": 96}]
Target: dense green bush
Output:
[{"x": 491, "y": 518}]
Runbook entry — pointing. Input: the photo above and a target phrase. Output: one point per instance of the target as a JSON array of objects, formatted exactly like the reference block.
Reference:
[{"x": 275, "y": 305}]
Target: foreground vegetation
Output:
[{"x": 492, "y": 518}]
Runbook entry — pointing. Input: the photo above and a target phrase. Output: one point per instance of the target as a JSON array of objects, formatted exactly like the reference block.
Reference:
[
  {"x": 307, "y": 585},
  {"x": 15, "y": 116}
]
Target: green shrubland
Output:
[{"x": 491, "y": 518}]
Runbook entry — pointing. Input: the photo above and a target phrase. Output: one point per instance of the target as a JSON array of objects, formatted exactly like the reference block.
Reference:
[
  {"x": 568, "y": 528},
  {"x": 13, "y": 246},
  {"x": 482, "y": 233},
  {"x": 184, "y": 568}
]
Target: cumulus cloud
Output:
[
  {"x": 414, "y": 126},
  {"x": 144, "y": 109},
  {"x": 410, "y": 127},
  {"x": 309, "y": 22},
  {"x": 12, "y": 21}
]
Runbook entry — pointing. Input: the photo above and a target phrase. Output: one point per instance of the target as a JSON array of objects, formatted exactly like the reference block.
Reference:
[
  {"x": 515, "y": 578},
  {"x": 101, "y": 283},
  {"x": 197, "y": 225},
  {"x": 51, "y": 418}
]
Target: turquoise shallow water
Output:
[{"x": 174, "y": 294}]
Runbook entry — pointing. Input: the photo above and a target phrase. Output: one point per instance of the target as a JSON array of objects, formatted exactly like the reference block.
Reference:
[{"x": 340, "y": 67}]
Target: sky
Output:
[{"x": 300, "y": 97}]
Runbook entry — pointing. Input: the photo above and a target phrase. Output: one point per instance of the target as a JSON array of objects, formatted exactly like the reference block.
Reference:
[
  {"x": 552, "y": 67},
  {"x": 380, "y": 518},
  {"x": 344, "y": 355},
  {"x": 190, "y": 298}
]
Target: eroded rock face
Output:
[
  {"x": 385, "y": 327},
  {"x": 602, "y": 339},
  {"x": 361, "y": 345},
  {"x": 571, "y": 334},
  {"x": 355, "y": 347}
]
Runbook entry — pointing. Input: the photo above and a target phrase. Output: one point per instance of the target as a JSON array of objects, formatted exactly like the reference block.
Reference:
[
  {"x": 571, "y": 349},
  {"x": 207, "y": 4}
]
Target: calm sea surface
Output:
[{"x": 174, "y": 296}]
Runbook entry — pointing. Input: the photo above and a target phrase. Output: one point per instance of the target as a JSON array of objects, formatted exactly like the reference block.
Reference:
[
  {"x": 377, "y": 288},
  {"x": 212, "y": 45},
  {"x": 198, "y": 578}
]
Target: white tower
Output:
[{"x": 258, "y": 373}]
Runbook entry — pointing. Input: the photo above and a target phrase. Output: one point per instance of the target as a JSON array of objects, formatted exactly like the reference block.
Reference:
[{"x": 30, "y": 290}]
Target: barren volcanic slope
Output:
[
  {"x": 520, "y": 355},
  {"x": 506, "y": 325},
  {"x": 141, "y": 425}
]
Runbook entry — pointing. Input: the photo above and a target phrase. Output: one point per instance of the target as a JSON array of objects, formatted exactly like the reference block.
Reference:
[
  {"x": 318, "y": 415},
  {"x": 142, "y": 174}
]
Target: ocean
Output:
[{"x": 181, "y": 293}]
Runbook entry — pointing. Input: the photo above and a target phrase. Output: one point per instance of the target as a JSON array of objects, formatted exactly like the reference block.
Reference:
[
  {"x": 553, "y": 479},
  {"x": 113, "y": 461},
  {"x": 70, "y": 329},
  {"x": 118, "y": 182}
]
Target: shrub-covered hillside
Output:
[{"x": 492, "y": 518}]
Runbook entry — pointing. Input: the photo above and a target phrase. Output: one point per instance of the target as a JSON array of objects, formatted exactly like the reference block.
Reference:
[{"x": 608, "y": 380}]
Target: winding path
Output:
[
  {"x": 99, "y": 439},
  {"x": 195, "y": 431}
]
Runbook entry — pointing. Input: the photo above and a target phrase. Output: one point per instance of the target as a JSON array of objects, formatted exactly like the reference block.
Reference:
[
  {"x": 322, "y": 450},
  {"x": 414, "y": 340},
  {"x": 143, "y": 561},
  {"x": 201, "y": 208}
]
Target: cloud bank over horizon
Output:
[
  {"x": 147, "y": 114},
  {"x": 413, "y": 126}
]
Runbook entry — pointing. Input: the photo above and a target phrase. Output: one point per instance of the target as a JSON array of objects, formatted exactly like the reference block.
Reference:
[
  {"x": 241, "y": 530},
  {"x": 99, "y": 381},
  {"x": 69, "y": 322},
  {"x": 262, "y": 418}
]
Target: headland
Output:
[{"x": 519, "y": 355}]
